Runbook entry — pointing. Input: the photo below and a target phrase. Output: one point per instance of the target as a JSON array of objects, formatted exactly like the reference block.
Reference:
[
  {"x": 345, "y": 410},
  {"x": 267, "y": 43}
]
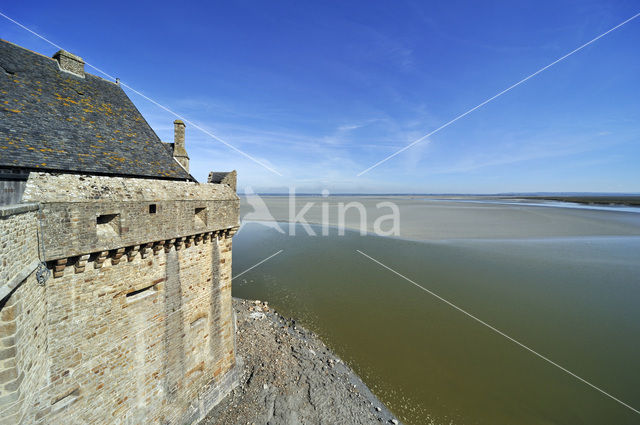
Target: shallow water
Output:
[{"x": 573, "y": 299}]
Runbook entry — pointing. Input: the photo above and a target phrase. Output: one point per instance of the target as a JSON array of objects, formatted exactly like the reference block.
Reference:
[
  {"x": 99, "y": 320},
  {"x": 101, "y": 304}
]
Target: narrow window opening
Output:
[
  {"x": 108, "y": 225},
  {"x": 200, "y": 319},
  {"x": 65, "y": 400},
  {"x": 106, "y": 219},
  {"x": 152, "y": 208},
  {"x": 201, "y": 216},
  {"x": 141, "y": 293}
]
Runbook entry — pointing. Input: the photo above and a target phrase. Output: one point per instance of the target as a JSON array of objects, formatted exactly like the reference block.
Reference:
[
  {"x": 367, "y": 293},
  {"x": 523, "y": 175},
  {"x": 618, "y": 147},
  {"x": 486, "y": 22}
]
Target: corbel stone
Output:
[
  {"x": 169, "y": 244},
  {"x": 198, "y": 238},
  {"x": 157, "y": 247},
  {"x": 233, "y": 231},
  {"x": 80, "y": 265},
  {"x": 58, "y": 269},
  {"x": 206, "y": 237},
  {"x": 179, "y": 243},
  {"x": 144, "y": 250},
  {"x": 102, "y": 256},
  {"x": 188, "y": 241},
  {"x": 117, "y": 256},
  {"x": 132, "y": 252}
]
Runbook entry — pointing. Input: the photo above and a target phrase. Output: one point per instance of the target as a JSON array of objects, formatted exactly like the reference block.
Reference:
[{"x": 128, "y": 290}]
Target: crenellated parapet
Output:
[
  {"x": 129, "y": 253},
  {"x": 90, "y": 214}
]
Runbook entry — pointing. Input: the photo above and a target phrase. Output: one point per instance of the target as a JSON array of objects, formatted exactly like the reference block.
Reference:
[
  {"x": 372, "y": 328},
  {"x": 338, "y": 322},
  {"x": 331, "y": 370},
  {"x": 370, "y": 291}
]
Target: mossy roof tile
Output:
[{"x": 51, "y": 117}]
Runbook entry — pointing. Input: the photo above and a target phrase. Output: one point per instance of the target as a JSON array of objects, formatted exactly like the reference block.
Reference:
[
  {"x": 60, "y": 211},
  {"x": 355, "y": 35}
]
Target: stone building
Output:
[{"x": 115, "y": 263}]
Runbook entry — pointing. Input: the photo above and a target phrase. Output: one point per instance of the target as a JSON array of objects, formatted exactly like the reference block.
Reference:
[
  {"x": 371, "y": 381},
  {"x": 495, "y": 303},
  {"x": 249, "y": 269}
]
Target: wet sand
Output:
[{"x": 429, "y": 218}]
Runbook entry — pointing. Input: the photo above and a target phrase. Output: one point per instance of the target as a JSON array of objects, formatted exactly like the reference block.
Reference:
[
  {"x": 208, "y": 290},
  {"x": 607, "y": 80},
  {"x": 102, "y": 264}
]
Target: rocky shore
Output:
[{"x": 291, "y": 377}]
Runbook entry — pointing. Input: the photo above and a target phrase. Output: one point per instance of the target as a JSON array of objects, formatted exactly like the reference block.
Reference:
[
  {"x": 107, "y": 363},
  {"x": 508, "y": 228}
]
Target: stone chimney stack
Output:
[
  {"x": 70, "y": 62},
  {"x": 179, "y": 151}
]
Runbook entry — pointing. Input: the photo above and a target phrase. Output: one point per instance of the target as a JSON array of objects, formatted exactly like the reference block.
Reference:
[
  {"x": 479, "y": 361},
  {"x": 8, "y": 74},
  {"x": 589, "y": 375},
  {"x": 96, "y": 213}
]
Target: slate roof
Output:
[
  {"x": 54, "y": 120},
  {"x": 218, "y": 176},
  {"x": 227, "y": 177}
]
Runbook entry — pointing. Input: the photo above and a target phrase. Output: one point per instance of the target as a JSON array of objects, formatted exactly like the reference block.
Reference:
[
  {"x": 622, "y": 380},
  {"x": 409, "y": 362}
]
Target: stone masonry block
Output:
[
  {"x": 8, "y": 313},
  {"x": 8, "y": 375},
  {"x": 7, "y": 353},
  {"x": 81, "y": 263}
]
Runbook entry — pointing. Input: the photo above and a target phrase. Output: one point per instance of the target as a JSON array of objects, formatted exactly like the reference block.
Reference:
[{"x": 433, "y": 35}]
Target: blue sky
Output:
[{"x": 321, "y": 91}]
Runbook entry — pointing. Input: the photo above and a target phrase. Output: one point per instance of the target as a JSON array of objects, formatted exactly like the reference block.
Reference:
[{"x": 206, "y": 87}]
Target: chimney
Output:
[
  {"x": 179, "y": 152},
  {"x": 70, "y": 63}
]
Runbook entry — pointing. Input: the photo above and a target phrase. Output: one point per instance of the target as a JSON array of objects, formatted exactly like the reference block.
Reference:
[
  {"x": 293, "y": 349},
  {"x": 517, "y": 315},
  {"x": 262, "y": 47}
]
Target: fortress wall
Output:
[
  {"x": 86, "y": 214},
  {"x": 18, "y": 244},
  {"x": 135, "y": 323},
  {"x": 23, "y": 332},
  {"x": 73, "y": 229},
  {"x": 144, "y": 338}
]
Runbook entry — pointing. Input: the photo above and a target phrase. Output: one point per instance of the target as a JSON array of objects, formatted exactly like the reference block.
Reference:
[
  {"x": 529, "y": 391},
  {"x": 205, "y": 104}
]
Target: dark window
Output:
[
  {"x": 152, "y": 208},
  {"x": 140, "y": 293},
  {"x": 201, "y": 216},
  {"x": 105, "y": 219},
  {"x": 108, "y": 225}
]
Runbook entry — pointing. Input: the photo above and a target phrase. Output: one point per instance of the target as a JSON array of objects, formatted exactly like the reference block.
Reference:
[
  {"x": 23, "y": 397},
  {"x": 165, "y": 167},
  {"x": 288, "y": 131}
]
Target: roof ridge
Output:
[
  {"x": 54, "y": 60},
  {"x": 28, "y": 50}
]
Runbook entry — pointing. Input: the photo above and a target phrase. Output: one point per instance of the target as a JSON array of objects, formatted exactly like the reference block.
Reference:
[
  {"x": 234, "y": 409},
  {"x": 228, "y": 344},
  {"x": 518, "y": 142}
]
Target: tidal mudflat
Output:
[
  {"x": 563, "y": 281},
  {"x": 436, "y": 219}
]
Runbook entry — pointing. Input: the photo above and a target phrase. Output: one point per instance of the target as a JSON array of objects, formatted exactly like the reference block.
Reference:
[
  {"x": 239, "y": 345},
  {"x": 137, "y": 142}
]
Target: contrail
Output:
[{"x": 498, "y": 95}]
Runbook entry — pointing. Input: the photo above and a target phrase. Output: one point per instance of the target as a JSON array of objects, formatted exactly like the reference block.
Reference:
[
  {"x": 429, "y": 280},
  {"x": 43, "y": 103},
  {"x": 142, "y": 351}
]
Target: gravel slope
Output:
[{"x": 291, "y": 377}]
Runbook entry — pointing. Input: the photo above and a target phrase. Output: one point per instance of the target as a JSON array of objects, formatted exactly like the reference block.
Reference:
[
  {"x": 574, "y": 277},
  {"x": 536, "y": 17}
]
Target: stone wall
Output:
[
  {"x": 131, "y": 328},
  {"x": 87, "y": 214},
  {"x": 18, "y": 245},
  {"x": 146, "y": 339},
  {"x": 11, "y": 191},
  {"x": 23, "y": 331}
]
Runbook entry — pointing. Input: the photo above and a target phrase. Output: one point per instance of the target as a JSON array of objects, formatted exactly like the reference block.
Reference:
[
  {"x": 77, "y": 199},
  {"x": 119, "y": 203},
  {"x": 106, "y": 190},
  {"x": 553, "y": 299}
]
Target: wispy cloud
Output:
[{"x": 527, "y": 149}]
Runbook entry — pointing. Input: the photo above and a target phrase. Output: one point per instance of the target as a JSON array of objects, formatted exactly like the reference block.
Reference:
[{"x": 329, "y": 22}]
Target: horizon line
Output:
[{"x": 627, "y": 194}]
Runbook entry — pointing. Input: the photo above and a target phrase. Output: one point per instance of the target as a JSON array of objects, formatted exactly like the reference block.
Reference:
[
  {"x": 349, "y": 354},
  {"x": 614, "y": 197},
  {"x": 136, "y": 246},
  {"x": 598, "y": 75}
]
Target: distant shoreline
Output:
[
  {"x": 631, "y": 200},
  {"x": 586, "y": 199},
  {"x": 621, "y": 199}
]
